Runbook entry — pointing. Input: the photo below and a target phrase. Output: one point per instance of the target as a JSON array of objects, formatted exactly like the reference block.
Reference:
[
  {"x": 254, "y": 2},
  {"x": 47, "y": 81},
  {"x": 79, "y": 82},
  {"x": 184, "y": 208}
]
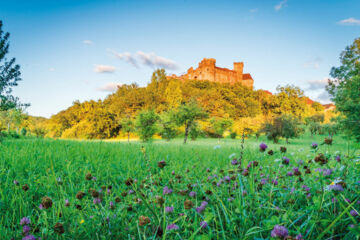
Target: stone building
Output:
[{"x": 207, "y": 70}]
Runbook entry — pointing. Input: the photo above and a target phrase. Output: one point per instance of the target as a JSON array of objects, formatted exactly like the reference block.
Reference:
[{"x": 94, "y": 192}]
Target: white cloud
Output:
[
  {"x": 324, "y": 97},
  {"x": 109, "y": 87},
  {"x": 104, "y": 69},
  {"x": 350, "y": 21},
  {"x": 254, "y": 10},
  {"x": 315, "y": 85},
  {"x": 152, "y": 60},
  {"x": 88, "y": 42},
  {"x": 313, "y": 63},
  {"x": 280, "y": 5},
  {"x": 51, "y": 69},
  {"x": 148, "y": 59},
  {"x": 127, "y": 57}
]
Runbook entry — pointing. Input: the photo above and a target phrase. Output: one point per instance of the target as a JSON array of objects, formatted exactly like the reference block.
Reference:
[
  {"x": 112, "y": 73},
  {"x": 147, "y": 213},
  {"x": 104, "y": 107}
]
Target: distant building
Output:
[{"x": 207, "y": 70}]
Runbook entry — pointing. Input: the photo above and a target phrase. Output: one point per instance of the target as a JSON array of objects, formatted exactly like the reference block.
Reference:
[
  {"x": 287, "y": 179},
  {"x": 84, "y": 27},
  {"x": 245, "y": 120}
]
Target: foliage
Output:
[
  {"x": 219, "y": 126},
  {"x": 168, "y": 126},
  {"x": 188, "y": 114},
  {"x": 146, "y": 124},
  {"x": 286, "y": 126},
  {"x": 127, "y": 126},
  {"x": 345, "y": 88},
  {"x": 9, "y": 74}
]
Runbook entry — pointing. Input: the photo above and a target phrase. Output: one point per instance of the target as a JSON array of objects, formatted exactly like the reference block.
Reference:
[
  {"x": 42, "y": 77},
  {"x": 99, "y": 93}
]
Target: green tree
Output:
[
  {"x": 344, "y": 87},
  {"x": 168, "y": 126},
  {"x": 146, "y": 124},
  {"x": 9, "y": 74},
  {"x": 314, "y": 128},
  {"x": 219, "y": 126},
  {"x": 188, "y": 114},
  {"x": 286, "y": 126},
  {"x": 127, "y": 126}
]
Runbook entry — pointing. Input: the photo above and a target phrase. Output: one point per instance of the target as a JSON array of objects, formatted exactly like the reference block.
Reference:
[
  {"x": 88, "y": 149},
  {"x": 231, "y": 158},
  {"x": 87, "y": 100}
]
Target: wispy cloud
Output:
[
  {"x": 127, "y": 57},
  {"x": 88, "y": 42},
  {"x": 104, "y": 69},
  {"x": 350, "y": 21},
  {"x": 313, "y": 63},
  {"x": 109, "y": 87},
  {"x": 147, "y": 59},
  {"x": 315, "y": 85},
  {"x": 152, "y": 60},
  {"x": 51, "y": 69},
  {"x": 280, "y": 5},
  {"x": 324, "y": 97},
  {"x": 254, "y": 10}
]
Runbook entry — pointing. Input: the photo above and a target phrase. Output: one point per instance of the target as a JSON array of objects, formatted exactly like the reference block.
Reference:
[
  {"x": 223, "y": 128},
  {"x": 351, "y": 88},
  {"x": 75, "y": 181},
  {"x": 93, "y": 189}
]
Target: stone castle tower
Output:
[{"x": 207, "y": 70}]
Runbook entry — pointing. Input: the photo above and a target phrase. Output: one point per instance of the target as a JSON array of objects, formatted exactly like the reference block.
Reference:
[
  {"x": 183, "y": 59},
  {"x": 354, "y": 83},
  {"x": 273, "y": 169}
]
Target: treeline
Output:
[{"x": 243, "y": 107}]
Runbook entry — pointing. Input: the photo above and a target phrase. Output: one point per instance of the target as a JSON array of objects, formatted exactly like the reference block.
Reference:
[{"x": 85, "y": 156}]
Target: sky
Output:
[{"x": 81, "y": 50}]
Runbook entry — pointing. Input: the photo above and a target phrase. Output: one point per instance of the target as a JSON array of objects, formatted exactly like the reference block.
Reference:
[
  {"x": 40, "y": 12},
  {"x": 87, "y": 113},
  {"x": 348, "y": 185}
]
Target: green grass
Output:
[{"x": 58, "y": 169}]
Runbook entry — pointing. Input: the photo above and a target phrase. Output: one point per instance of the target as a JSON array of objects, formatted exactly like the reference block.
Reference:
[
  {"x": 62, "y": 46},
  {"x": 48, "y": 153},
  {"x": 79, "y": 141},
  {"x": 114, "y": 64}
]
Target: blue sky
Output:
[{"x": 71, "y": 50}]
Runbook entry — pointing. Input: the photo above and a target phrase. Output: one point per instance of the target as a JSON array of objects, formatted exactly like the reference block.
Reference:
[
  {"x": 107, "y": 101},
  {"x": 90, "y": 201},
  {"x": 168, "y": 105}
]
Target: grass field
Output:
[{"x": 200, "y": 193}]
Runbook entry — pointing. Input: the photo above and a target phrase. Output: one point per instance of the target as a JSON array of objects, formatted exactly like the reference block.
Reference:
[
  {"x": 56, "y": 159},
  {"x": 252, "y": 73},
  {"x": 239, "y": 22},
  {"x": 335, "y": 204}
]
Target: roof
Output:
[{"x": 247, "y": 76}]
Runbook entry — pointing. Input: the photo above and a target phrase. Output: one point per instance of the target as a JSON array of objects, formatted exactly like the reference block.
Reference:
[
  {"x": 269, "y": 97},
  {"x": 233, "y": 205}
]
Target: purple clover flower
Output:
[
  {"x": 290, "y": 174},
  {"x": 263, "y": 147},
  {"x": 203, "y": 224},
  {"x": 286, "y": 160},
  {"x": 26, "y": 229},
  {"x": 97, "y": 200},
  {"x": 336, "y": 187},
  {"x": 263, "y": 181},
  {"x": 169, "y": 209},
  {"x": 167, "y": 191},
  {"x": 314, "y": 145},
  {"x": 279, "y": 231},
  {"x": 354, "y": 213},
  {"x": 29, "y": 237},
  {"x": 172, "y": 226},
  {"x": 327, "y": 172},
  {"x": 25, "y": 221},
  {"x": 234, "y": 161},
  {"x": 192, "y": 194}
]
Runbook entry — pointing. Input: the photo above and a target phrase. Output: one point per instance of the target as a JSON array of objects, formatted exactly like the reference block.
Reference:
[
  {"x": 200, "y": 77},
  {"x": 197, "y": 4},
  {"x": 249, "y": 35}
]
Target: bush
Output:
[{"x": 233, "y": 135}]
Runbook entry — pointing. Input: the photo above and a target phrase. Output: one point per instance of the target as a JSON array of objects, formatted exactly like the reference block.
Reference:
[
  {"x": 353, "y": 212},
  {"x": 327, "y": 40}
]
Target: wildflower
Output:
[
  {"x": 82, "y": 221},
  {"x": 131, "y": 191},
  {"x": 227, "y": 179},
  {"x": 59, "y": 228},
  {"x": 290, "y": 174},
  {"x": 283, "y": 149},
  {"x": 16, "y": 182},
  {"x": 129, "y": 182},
  {"x": 279, "y": 231},
  {"x": 169, "y": 209},
  {"x": 286, "y": 161},
  {"x": 202, "y": 207},
  {"x": 192, "y": 194},
  {"x": 263, "y": 181},
  {"x": 188, "y": 204},
  {"x": 296, "y": 171},
  {"x": 112, "y": 206},
  {"x": 25, "y": 187},
  {"x": 275, "y": 182},
  {"x": 97, "y": 201},
  {"x": 172, "y": 226},
  {"x": 217, "y": 147},
  {"x": 230, "y": 199},
  {"x": 335, "y": 187},
  {"x": 270, "y": 152},
  {"x": 314, "y": 145},
  {"x": 203, "y": 224},
  {"x": 46, "y": 202},
  {"x": 67, "y": 203},
  {"x": 327, "y": 172},
  {"x": 337, "y": 158},
  {"x": 25, "y": 221},
  {"x": 263, "y": 147},
  {"x": 161, "y": 164},
  {"x": 41, "y": 207},
  {"x": 299, "y": 237},
  {"x": 234, "y": 161},
  {"x": 321, "y": 158},
  {"x": 328, "y": 141},
  {"x": 301, "y": 162},
  {"x": 26, "y": 229},
  {"x": 354, "y": 213},
  {"x": 80, "y": 195},
  {"x": 167, "y": 190},
  {"x": 88, "y": 176},
  {"x": 306, "y": 188},
  {"x": 29, "y": 237},
  {"x": 143, "y": 220}
]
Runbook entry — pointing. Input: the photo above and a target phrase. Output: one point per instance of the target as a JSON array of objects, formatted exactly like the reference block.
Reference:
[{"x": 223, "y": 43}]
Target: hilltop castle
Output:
[{"x": 207, "y": 70}]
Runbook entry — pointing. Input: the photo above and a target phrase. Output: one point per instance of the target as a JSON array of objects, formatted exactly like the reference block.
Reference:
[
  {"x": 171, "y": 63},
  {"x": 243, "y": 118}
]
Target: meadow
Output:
[{"x": 206, "y": 189}]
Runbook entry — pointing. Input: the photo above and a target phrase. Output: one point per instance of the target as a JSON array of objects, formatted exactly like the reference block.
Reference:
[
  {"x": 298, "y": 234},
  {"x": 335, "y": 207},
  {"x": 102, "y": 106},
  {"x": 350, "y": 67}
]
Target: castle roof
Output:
[{"x": 247, "y": 76}]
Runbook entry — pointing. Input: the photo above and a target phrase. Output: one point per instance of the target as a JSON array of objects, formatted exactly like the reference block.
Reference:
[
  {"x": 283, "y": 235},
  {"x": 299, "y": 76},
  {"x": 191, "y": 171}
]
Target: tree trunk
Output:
[
  {"x": 128, "y": 136},
  {"x": 287, "y": 141},
  {"x": 186, "y": 133}
]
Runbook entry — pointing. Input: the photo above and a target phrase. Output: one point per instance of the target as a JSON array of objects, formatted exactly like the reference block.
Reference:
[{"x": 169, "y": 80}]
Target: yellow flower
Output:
[
  {"x": 82, "y": 221},
  {"x": 332, "y": 183}
]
